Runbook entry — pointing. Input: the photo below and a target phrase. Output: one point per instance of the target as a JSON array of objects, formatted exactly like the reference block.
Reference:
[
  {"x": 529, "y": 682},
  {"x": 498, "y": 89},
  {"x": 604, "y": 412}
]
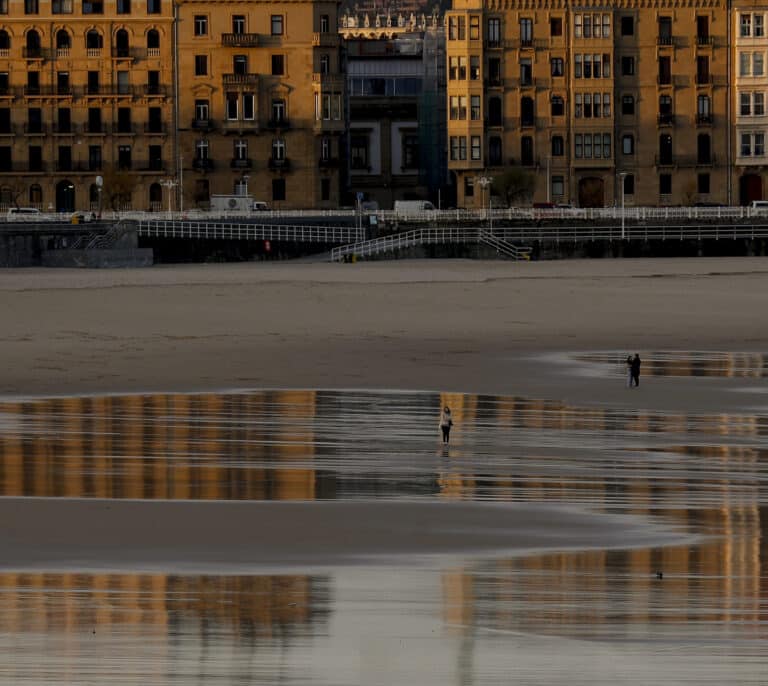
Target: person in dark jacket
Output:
[{"x": 635, "y": 369}]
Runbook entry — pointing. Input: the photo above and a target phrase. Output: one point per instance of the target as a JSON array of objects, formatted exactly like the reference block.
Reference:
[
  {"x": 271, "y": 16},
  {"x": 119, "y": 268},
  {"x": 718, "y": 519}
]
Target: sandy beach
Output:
[{"x": 448, "y": 325}]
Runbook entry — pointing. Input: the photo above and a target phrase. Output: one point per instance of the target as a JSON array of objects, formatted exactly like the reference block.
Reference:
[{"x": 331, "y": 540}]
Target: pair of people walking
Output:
[{"x": 633, "y": 370}]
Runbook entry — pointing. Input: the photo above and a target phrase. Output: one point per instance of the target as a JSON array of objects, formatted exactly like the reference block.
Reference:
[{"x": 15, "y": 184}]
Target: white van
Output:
[
  {"x": 23, "y": 214},
  {"x": 760, "y": 204},
  {"x": 405, "y": 207}
]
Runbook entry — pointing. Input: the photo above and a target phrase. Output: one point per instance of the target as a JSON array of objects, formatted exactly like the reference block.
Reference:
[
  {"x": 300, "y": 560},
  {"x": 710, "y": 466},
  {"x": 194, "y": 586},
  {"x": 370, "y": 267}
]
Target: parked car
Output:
[
  {"x": 23, "y": 214},
  {"x": 259, "y": 206}
]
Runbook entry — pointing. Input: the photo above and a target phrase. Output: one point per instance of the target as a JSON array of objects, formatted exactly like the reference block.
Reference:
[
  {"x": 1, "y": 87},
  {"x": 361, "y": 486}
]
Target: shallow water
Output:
[{"x": 594, "y": 617}]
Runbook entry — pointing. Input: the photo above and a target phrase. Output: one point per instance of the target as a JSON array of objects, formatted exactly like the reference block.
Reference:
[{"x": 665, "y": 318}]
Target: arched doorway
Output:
[
  {"x": 750, "y": 188},
  {"x": 591, "y": 192},
  {"x": 65, "y": 196}
]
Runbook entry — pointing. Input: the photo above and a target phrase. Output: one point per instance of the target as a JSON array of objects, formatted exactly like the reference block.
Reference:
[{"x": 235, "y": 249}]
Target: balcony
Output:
[
  {"x": 328, "y": 163},
  {"x": 153, "y": 91},
  {"x": 240, "y": 79},
  {"x": 329, "y": 126},
  {"x": 665, "y": 119},
  {"x": 127, "y": 53},
  {"x": 240, "y": 40},
  {"x": 527, "y": 122},
  {"x": 280, "y": 123},
  {"x": 704, "y": 79},
  {"x": 95, "y": 129},
  {"x": 703, "y": 119},
  {"x": 665, "y": 41},
  {"x": 34, "y": 53},
  {"x": 64, "y": 129},
  {"x": 41, "y": 91},
  {"x": 283, "y": 164},
  {"x": 526, "y": 42},
  {"x": 30, "y": 167},
  {"x": 8, "y": 130},
  {"x": 495, "y": 82},
  {"x": 703, "y": 41},
  {"x": 329, "y": 82},
  {"x": 149, "y": 165},
  {"x": 155, "y": 129},
  {"x": 202, "y": 165},
  {"x": 124, "y": 130},
  {"x": 239, "y": 126},
  {"x": 202, "y": 124},
  {"x": 325, "y": 40},
  {"x": 241, "y": 163},
  {"x": 34, "y": 129},
  {"x": 665, "y": 161}
]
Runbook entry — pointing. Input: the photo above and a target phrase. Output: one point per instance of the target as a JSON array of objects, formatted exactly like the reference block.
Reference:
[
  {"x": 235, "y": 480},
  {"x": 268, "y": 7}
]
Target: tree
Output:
[
  {"x": 118, "y": 188},
  {"x": 514, "y": 185}
]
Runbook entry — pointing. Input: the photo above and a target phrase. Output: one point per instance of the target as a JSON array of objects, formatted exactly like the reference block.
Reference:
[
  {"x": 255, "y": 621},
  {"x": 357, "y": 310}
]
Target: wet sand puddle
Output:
[{"x": 593, "y": 617}]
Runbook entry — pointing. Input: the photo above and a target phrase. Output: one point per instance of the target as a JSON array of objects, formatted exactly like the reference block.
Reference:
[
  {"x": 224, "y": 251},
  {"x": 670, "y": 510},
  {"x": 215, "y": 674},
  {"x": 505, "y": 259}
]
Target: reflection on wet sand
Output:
[
  {"x": 685, "y": 363},
  {"x": 705, "y": 473}
]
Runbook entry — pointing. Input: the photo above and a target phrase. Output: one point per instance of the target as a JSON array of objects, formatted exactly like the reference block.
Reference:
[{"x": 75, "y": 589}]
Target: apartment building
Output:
[
  {"x": 750, "y": 44},
  {"x": 85, "y": 92},
  {"x": 600, "y": 102},
  {"x": 261, "y": 101}
]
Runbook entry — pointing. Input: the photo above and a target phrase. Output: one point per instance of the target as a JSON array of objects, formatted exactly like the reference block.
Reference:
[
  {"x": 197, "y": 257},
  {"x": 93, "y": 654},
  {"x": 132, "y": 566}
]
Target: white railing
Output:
[
  {"x": 426, "y": 236},
  {"x": 298, "y": 233},
  {"x": 642, "y": 232}
]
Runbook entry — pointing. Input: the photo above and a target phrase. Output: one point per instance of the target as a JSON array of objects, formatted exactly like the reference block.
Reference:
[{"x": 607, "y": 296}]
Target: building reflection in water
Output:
[{"x": 705, "y": 473}]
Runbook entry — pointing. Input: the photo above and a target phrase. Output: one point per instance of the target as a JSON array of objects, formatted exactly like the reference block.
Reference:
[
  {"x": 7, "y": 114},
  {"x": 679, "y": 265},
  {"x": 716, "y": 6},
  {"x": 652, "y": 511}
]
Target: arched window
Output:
[
  {"x": 35, "y": 195},
  {"x": 63, "y": 41},
  {"x": 122, "y": 43},
  {"x": 33, "y": 44},
  {"x": 5, "y": 40},
  {"x": 153, "y": 39},
  {"x": 494, "y": 112},
  {"x": 94, "y": 40}
]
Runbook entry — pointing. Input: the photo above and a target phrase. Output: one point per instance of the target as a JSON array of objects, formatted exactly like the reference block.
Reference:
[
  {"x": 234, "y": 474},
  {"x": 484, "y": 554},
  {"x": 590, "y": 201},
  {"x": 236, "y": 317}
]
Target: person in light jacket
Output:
[{"x": 446, "y": 423}]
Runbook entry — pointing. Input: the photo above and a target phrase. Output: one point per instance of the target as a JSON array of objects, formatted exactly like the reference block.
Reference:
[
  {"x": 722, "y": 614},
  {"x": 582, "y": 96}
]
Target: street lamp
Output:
[
  {"x": 246, "y": 178},
  {"x": 169, "y": 183},
  {"x": 622, "y": 175},
  {"x": 485, "y": 182}
]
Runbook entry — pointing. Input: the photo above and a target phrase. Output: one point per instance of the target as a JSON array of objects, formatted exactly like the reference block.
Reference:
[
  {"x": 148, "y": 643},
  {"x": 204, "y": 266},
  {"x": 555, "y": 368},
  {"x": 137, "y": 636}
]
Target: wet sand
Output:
[
  {"x": 187, "y": 537},
  {"x": 443, "y": 325}
]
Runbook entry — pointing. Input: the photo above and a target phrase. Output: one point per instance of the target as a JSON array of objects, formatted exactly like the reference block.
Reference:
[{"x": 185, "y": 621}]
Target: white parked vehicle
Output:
[
  {"x": 23, "y": 214},
  {"x": 407, "y": 207}
]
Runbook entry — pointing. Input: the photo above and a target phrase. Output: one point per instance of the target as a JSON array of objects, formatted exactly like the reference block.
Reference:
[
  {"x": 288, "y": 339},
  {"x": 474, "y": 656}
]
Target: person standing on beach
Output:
[
  {"x": 446, "y": 423},
  {"x": 635, "y": 369},
  {"x": 629, "y": 370}
]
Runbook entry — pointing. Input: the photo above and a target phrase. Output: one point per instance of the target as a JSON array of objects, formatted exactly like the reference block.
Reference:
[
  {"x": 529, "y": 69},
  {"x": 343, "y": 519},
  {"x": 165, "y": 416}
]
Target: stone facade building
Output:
[
  {"x": 588, "y": 96},
  {"x": 85, "y": 91},
  {"x": 261, "y": 101}
]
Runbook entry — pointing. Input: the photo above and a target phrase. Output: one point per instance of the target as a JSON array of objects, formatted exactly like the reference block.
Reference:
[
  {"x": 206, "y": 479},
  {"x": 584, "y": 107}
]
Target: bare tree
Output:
[{"x": 514, "y": 185}]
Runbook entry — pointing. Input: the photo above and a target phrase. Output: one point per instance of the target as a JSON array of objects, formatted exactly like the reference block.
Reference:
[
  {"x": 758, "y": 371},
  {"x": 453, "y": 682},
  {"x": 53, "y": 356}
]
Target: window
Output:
[
  {"x": 494, "y": 71},
  {"x": 494, "y": 151},
  {"x": 124, "y": 156},
  {"x": 759, "y": 144},
  {"x": 558, "y": 146},
  {"x": 746, "y": 104},
  {"x": 606, "y": 66},
  {"x": 475, "y": 148},
  {"x": 474, "y": 27},
  {"x": 745, "y": 30},
  {"x": 153, "y": 6},
  {"x": 759, "y": 27},
  {"x": 627, "y": 104},
  {"x": 325, "y": 189},
  {"x": 238, "y": 24},
  {"x": 277, "y": 24},
  {"x": 278, "y": 65},
  {"x": 665, "y": 105},
  {"x": 201, "y": 65},
  {"x": 249, "y": 106},
  {"x": 325, "y": 23},
  {"x": 31, "y": 7},
  {"x": 577, "y": 26},
  {"x": 494, "y": 32},
  {"x": 474, "y": 68},
  {"x": 606, "y": 145},
  {"x": 57, "y": 6},
  {"x": 578, "y": 106},
  {"x": 665, "y": 70},
  {"x": 462, "y": 68},
  {"x": 123, "y": 6},
  {"x": 458, "y": 146},
  {"x": 278, "y": 189},
  {"x": 746, "y": 144},
  {"x": 457, "y": 28},
  {"x": 153, "y": 40},
  {"x": 240, "y": 149},
  {"x": 629, "y": 184},
  {"x": 526, "y": 72},
  {"x": 494, "y": 112},
  {"x": 577, "y": 66},
  {"x": 278, "y": 149},
  {"x": 555, "y": 26},
  {"x": 665, "y": 30},
  {"x": 359, "y": 151},
  {"x": 93, "y": 7},
  {"x": 526, "y": 32},
  {"x": 703, "y": 184},
  {"x": 757, "y": 64},
  {"x": 744, "y": 63},
  {"x": 240, "y": 64},
  {"x": 627, "y": 66},
  {"x": 606, "y": 26},
  {"x": 278, "y": 111},
  {"x": 202, "y": 149},
  {"x": 556, "y": 66},
  {"x": 578, "y": 146},
  {"x": 627, "y": 26},
  {"x": 201, "y": 25},
  {"x": 665, "y": 184},
  {"x": 606, "y": 104},
  {"x": 758, "y": 100},
  {"x": 124, "y": 120},
  {"x": 325, "y": 64},
  {"x": 202, "y": 111},
  {"x": 558, "y": 186},
  {"x": 703, "y": 104},
  {"x": 474, "y": 108},
  {"x": 232, "y": 106},
  {"x": 558, "y": 106},
  {"x": 527, "y": 112},
  {"x": 469, "y": 187}
]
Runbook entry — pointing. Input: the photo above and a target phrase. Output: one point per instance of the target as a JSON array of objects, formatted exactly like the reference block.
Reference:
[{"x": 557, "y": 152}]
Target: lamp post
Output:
[
  {"x": 246, "y": 178},
  {"x": 622, "y": 175},
  {"x": 485, "y": 182},
  {"x": 169, "y": 183}
]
